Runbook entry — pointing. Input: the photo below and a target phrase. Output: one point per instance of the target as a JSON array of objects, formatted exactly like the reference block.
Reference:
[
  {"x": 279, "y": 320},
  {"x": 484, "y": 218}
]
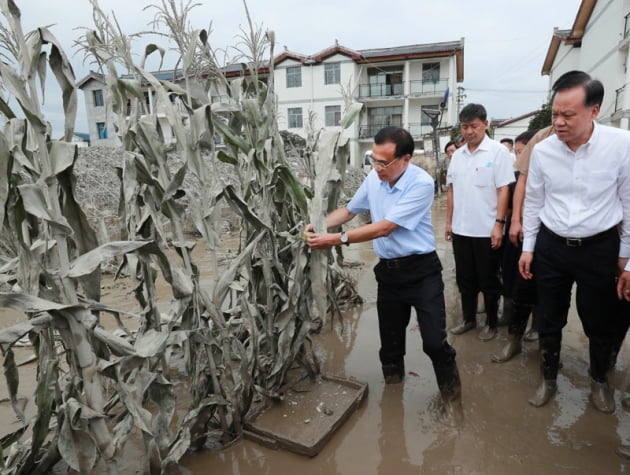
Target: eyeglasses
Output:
[{"x": 381, "y": 164}]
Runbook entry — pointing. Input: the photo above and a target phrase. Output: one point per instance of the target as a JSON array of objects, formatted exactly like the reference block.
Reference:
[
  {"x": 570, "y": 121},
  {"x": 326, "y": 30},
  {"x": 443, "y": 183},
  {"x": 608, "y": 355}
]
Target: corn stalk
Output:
[{"x": 238, "y": 337}]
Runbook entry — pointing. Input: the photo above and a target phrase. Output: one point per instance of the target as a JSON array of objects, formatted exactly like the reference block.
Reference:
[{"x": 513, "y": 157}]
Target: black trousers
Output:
[
  {"x": 525, "y": 299},
  {"x": 414, "y": 281},
  {"x": 477, "y": 270},
  {"x": 592, "y": 266}
]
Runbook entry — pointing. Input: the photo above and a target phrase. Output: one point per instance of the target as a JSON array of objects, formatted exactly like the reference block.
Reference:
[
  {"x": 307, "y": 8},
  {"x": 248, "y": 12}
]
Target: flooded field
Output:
[{"x": 398, "y": 428}]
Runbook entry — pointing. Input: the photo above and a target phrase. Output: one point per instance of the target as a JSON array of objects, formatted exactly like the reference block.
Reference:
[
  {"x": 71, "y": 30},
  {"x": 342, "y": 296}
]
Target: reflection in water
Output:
[{"x": 392, "y": 439}]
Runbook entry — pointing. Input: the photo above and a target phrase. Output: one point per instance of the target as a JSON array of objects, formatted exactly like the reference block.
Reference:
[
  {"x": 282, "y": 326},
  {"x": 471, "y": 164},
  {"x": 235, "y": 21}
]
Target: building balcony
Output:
[
  {"x": 418, "y": 130},
  {"x": 420, "y": 88},
  {"x": 427, "y": 87},
  {"x": 619, "y": 97},
  {"x": 379, "y": 91}
]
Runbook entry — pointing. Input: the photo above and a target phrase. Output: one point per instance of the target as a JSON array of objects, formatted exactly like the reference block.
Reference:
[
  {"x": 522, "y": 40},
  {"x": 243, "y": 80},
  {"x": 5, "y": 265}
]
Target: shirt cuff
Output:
[{"x": 528, "y": 244}]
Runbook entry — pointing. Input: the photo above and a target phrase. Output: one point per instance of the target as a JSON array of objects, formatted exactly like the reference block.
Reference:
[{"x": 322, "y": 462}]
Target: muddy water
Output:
[{"x": 398, "y": 428}]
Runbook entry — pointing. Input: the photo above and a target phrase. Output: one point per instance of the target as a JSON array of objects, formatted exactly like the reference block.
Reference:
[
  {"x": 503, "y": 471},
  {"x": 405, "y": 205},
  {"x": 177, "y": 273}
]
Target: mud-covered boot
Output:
[
  {"x": 623, "y": 451},
  {"x": 544, "y": 393},
  {"x": 511, "y": 349},
  {"x": 469, "y": 307},
  {"x": 451, "y": 392},
  {"x": 602, "y": 396},
  {"x": 463, "y": 328},
  {"x": 549, "y": 363},
  {"x": 394, "y": 373}
]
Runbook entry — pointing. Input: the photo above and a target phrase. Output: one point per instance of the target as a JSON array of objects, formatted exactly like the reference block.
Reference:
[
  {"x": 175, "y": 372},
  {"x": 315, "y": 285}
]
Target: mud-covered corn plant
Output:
[{"x": 229, "y": 343}]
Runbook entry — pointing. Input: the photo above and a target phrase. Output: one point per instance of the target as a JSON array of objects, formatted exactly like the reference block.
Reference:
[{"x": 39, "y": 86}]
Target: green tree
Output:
[{"x": 542, "y": 119}]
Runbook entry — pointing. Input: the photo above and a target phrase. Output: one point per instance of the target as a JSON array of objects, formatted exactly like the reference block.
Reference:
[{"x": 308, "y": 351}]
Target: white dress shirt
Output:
[
  {"x": 475, "y": 178},
  {"x": 583, "y": 193}
]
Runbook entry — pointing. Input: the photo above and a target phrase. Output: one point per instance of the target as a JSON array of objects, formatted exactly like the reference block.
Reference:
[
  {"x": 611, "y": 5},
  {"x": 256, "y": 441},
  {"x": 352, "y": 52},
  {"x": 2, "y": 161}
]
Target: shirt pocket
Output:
[
  {"x": 484, "y": 176},
  {"x": 600, "y": 182}
]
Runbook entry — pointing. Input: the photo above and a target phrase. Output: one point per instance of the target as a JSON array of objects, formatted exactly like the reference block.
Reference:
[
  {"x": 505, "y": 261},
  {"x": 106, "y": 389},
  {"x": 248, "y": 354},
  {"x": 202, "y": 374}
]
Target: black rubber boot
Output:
[
  {"x": 549, "y": 363},
  {"x": 506, "y": 312},
  {"x": 394, "y": 373},
  {"x": 451, "y": 391}
]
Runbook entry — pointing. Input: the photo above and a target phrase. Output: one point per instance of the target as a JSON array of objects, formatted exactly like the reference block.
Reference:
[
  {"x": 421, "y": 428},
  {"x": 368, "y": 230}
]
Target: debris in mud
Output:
[{"x": 309, "y": 417}]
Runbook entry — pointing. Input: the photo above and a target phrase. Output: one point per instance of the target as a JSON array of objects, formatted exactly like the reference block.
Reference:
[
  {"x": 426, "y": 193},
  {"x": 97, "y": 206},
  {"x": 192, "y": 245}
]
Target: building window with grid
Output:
[
  {"x": 294, "y": 76},
  {"x": 295, "y": 117},
  {"x": 102, "y": 130},
  {"x": 332, "y": 73},
  {"x": 333, "y": 115},
  {"x": 98, "y": 98}
]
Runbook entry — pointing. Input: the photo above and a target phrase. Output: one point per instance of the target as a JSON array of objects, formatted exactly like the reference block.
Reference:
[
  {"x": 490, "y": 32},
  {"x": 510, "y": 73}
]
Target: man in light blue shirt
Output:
[{"x": 399, "y": 195}]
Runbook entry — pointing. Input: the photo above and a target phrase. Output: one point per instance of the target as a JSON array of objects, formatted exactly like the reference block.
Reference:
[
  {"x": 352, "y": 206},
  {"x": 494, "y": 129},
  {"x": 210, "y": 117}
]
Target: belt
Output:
[
  {"x": 578, "y": 242},
  {"x": 399, "y": 262}
]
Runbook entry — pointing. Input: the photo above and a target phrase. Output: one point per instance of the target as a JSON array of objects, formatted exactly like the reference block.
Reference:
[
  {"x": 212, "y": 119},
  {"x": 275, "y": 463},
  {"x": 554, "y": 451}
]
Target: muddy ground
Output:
[{"x": 398, "y": 428}]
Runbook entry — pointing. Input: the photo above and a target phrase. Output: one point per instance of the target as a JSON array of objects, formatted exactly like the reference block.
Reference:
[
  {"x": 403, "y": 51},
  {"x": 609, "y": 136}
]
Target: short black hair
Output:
[
  {"x": 508, "y": 140},
  {"x": 473, "y": 111},
  {"x": 448, "y": 144},
  {"x": 525, "y": 136},
  {"x": 396, "y": 135},
  {"x": 594, "y": 89}
]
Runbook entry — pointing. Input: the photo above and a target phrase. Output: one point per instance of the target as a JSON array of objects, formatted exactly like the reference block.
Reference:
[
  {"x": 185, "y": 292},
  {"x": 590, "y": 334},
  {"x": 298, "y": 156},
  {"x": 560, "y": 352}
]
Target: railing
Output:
[
  {"x": 620, "y": 93},
  {"x": 419, "y": 130},
  {"x": 427, "y": 87},
  {"x": 416, "y": 130},
  {"x": 369, "y": 131},
  {"x": 381, "y": 90},
  {"x": 626, "y": 26}
]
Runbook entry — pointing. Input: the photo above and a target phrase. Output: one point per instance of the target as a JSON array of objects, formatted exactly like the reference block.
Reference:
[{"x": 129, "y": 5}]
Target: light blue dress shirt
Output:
[{"x": 407, "y": 204}]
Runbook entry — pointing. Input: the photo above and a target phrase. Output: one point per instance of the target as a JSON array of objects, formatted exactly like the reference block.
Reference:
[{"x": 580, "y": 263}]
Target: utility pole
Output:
[{"x": 460, "y": 99}]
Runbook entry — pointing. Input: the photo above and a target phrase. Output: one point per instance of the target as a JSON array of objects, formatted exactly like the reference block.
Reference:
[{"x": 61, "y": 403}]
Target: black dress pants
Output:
[
  {"x": 413, "y": 281},
  {"x": 477, "y": 270},
  {"x": 592, "y": 265}
]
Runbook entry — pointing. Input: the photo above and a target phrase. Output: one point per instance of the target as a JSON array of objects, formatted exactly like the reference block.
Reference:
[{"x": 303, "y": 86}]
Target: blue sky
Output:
[{"x": 505, "y": 42}]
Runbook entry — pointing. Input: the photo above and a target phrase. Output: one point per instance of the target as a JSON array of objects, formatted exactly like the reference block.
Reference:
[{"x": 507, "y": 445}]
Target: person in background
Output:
[
  {"x": 519, "y": 295},
  {"x": 508, "y": 143},
  {"x": 449, "y": 149},
  {"x": 399, "y": 195},
  {"x": 477, "y": 200},
  {"x": 578, "y": 191},
  {"x": 460, "y": 141}
]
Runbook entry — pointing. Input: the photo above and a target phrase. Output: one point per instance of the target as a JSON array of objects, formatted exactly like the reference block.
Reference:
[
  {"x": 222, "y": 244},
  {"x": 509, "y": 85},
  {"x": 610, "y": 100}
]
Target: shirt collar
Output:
[{"x": 482, "y": 146}]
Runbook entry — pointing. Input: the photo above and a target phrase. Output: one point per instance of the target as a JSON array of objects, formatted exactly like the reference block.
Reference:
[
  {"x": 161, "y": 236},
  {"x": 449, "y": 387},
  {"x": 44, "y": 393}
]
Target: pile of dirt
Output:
[{"x": 98, "y": 183}]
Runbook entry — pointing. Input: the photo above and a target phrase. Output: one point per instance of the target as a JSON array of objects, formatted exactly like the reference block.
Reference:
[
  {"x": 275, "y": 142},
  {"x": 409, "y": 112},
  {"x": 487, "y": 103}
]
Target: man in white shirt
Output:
[
  {"x": 578, "y": 191},
  {"x": 477, "y": 201}
]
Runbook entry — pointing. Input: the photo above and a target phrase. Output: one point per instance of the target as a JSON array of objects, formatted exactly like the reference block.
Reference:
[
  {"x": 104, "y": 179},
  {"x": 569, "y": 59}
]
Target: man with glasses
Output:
[
  {"x": 477, "y": 206},
  {"x": 399, "y": 195}
]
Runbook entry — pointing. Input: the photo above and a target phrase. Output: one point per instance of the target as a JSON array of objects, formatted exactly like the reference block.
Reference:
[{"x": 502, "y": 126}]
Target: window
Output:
[
  {"x": 98, "y": 98},
  {"x": 333, "y": 115},
  {"x": 385, "y": 81},
  {"x": 102, "y": 130},
  {"x": 332, "y": 73},
  {"x": 431, "y": 72},
  {"x": 295, "y": 117},
  {"x": 294, "y": 76}
]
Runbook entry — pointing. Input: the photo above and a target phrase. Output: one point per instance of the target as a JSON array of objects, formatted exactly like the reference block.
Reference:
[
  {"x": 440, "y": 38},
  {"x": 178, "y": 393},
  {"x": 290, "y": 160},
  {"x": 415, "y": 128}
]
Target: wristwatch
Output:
[
  {"x": 502, "y": 221},
  {"x": 344, "y": 238}
]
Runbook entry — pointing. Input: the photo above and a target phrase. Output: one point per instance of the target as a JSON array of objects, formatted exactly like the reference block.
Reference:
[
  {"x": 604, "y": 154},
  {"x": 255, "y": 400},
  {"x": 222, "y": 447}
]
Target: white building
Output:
[
  {"x": 394, "y": 84},
  {"x": 597, "y": 43},
  {"x": 511, "y": 128}
]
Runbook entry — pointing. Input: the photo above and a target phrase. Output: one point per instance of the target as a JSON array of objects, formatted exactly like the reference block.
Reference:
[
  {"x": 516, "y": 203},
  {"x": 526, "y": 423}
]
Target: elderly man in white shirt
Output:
[{"x": 578, "y": 192}]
